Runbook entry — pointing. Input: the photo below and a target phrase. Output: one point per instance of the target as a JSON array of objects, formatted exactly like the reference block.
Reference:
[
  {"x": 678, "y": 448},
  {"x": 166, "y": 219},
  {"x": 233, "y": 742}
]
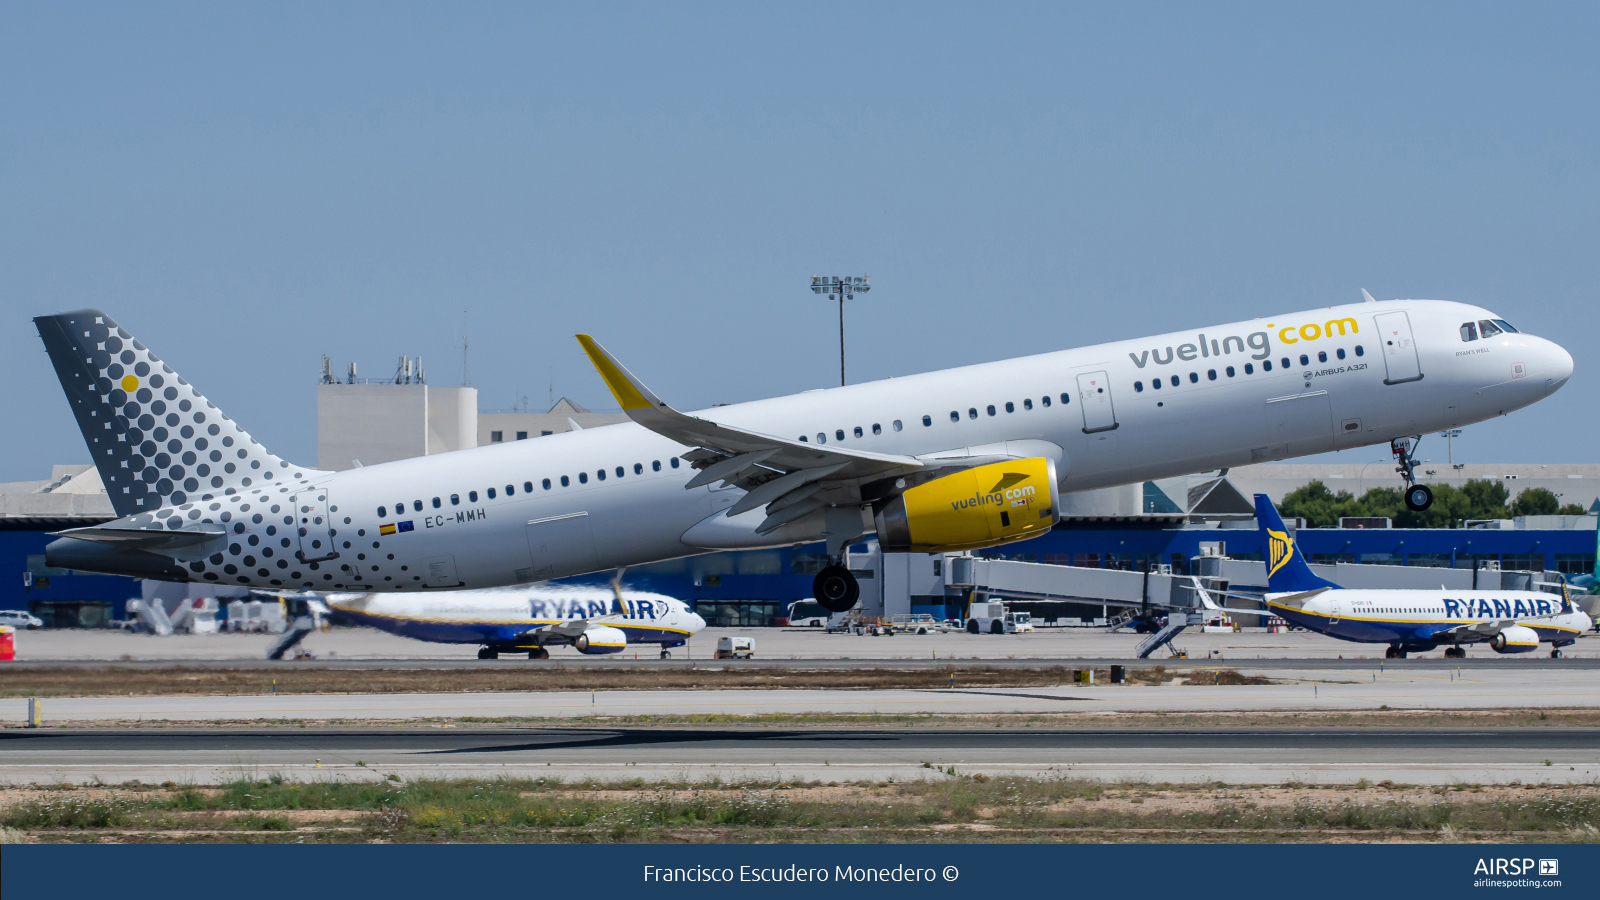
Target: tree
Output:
[
  {"x": 1322, "y": 508},
  {"x": 1542, "y": 502}
]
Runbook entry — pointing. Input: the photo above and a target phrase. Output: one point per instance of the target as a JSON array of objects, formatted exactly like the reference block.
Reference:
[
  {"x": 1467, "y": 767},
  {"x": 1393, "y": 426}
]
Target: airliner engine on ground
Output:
[
  {"x": 531, "y": 619},
  {"x": 955, "y": 459},
  {"x": 1409, "y": 621}
]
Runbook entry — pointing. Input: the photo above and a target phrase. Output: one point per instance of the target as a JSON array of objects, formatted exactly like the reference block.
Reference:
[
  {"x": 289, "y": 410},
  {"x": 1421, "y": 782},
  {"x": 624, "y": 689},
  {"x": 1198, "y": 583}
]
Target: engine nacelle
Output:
[
  {"x": 597, "y": 639},
  {"x": 1516, "y": 639},
  {"x": 971, "y": 509}
]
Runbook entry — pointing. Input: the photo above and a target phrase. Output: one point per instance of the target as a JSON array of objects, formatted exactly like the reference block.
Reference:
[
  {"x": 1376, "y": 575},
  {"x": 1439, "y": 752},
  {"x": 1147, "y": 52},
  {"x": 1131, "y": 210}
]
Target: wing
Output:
[{"x": 790, "y": 478}]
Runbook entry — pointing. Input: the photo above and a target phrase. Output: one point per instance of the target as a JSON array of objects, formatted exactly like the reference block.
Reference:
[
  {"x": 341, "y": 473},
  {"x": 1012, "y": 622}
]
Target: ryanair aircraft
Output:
[
  {"x": 1409, "y": 621},
  {"x": 592, "y": 620},
  {"x": 956, "y": 459}
]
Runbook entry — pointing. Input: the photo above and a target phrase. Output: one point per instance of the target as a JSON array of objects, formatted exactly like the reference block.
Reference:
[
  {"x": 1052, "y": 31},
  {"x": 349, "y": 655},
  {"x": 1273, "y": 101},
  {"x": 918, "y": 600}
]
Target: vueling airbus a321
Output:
[{"x": 956, "y": 459}]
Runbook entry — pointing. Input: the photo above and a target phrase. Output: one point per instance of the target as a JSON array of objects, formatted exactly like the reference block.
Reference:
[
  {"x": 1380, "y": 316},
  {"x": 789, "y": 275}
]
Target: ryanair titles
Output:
[{"x": 1258, "y": 341}]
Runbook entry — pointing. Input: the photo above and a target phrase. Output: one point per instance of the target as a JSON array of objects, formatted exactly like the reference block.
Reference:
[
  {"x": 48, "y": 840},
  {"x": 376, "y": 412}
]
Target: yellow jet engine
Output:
[{"x": 971, "y": 509}]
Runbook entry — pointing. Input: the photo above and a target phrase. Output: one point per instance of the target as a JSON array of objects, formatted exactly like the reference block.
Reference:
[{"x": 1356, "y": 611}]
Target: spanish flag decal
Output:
[{"x": 386, "y": 529}]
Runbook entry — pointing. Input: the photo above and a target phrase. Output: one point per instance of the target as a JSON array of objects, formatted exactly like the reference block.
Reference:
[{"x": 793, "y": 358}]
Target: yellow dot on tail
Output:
[{"x": 130, "y": 383}]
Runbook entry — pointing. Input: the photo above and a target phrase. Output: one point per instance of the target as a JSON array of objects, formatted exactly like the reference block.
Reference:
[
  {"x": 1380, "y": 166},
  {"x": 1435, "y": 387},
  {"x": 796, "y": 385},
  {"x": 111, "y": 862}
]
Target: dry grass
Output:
[
  {"x": 947, "y": 807},
  {"x": 70, "y": 681}
]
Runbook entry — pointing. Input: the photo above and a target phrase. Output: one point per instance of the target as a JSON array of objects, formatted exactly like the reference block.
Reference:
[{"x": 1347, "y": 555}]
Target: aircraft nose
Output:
[
  {"x": 1559, "y": 362},
  {"x": 695, "y": 622}
]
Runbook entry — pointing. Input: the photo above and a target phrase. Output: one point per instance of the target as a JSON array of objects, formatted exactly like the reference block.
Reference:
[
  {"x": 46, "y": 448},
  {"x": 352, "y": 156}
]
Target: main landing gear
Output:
[
  {"x": 666, "y": 654},
  {"x": 1418, "y": 496},
  {"x": 1394, "y": 653},
  {"x": 1455, "y": 653},
  {"x": 836, "y": 589}
]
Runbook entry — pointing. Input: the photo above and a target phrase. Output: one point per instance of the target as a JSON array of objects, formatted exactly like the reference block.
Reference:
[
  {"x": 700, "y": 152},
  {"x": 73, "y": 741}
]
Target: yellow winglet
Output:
[{"x": 629, "y": 392}]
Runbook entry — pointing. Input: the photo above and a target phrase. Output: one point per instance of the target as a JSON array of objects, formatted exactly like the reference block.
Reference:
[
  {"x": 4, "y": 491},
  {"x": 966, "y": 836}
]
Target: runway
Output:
[{"x": 1407, "y": 756}]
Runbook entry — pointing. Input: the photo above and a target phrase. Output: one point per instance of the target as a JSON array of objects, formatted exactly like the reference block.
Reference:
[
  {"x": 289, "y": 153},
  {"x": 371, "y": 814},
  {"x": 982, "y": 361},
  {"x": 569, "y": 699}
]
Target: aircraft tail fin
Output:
[
  {"x": 1287, "y": 571},
  {"x": 155, "y": 439}
]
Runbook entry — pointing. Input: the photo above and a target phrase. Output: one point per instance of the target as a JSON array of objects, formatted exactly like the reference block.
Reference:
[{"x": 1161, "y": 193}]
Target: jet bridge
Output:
[{"x": 1013, "y": 580}]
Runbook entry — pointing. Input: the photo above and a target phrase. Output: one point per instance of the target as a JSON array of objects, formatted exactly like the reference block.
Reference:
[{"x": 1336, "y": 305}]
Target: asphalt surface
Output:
[
  {"x": 1244, "y": 755},
  {"x": 1241, "y": 662}
]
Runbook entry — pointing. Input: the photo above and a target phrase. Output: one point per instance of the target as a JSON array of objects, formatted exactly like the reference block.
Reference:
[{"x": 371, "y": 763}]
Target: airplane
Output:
[
  {"x": 958, "y": 459},
  {"x": 1409, "y": 621},
  {"x": 531, "y": 619}
]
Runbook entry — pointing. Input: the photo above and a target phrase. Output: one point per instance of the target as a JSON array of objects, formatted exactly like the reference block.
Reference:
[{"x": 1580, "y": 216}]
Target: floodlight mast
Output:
[{"x": 843, "y": 287}]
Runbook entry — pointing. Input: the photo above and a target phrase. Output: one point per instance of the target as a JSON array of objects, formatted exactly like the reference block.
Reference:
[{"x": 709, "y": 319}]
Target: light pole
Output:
[
  {"x": 843, "y": 287},
  {"x": 1450, "y": 436}
]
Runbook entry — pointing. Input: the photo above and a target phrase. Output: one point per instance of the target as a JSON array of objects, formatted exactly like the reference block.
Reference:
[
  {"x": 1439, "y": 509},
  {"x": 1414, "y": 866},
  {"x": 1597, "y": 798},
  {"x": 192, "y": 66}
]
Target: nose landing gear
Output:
[{"x": 1418, "y": 496}]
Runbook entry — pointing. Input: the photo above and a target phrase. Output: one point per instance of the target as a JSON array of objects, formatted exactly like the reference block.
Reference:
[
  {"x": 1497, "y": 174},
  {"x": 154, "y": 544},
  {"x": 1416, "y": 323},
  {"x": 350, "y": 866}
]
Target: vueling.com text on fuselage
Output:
[{"x": 1258, "y": 341}]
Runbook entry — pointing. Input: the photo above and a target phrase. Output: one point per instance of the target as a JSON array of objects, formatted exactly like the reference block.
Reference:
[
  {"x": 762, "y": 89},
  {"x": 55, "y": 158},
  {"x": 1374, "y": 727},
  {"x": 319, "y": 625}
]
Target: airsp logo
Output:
[
  {"x": 1549, "y": 867},
  {"x": 1502, "y": 866}
]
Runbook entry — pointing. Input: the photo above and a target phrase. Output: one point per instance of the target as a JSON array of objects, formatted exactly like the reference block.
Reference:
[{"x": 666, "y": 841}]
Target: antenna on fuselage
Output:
[{"x": 1369, "y": 297}]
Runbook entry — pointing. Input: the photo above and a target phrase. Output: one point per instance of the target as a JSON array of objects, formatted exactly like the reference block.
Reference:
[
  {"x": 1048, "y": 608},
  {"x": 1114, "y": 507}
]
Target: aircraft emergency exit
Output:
[
  {"x": 1409, "y": 621},
  {"x": 956, "y": 459}
]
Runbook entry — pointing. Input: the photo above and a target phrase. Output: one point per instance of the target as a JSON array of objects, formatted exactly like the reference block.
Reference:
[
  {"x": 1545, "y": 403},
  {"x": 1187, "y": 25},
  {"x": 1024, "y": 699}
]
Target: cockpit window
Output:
[
  {"x": 1488, "y": 328},
  {"x": 1505, "y": 326},
  {"x": 1469, "y": 331}
]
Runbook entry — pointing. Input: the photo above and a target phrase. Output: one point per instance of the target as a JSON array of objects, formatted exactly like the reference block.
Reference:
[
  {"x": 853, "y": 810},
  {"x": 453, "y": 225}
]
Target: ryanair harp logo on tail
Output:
[{"x": 1279, "y": 549}]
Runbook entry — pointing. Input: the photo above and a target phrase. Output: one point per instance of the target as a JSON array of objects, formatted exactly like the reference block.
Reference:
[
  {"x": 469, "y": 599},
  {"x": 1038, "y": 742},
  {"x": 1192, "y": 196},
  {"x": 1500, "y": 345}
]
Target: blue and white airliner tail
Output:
[
  {"x": 528, "y": 618},
  {"x": 1409, "y": 621}
]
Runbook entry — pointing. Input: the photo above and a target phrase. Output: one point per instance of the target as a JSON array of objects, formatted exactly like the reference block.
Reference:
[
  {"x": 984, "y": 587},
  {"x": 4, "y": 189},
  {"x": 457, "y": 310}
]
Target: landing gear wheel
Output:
[
  {"x": 487, "y": 653},
  {"x": 1419, "y": 497},
  {"x": 666, "y": 654},
  {"x": 1555, "y": 654},
  {"x": 836, "y": 589},
  {"x": 1455, "y": 653},
  {"x": 1392, "y": 653},
  {"x": 538, "y": 653}
]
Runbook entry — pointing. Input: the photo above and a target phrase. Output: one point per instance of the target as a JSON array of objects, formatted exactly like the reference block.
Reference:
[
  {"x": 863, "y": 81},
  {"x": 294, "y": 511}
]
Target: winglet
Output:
[{"x": 631, "y": 394}]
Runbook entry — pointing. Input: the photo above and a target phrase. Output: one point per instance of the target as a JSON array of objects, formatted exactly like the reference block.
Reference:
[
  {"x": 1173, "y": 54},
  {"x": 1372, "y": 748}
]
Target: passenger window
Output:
[
  {"x": 455, "y": 499},
  {"x": 876, "y": 428},
  {"x": 1156, "y": 383},
  {"x": 437, "y": 503},
  {"x": 990, "y": 409},
  {"x": 972, "y": 412},
  {"x": 527, "y": 487},
  {"x": 858, "y": 431},
  {"x": 1010, "y": 407},
  {"x": 600, "y": 474},
  {"x": 1065, "y": 399},
  {"x": 1487, "y": 328},
  {"x": 490, "y": 492},
  {"x": 511, "y": 490},
  {"x": 564, "y": 481},
  {"x": 1322, "y": 356},
  {"x": 1287, "y": 363},
  {"x": 1304, "y": 361},
  {"x": 583, "y": 477},
  {"x": 674, "y": 462},
  {"x": 416, "y": 505},
  {"x": 803, "y": 439},
  {"x": 1211, "y": 374},
  {"x": 545, "y": 484},
  {"x": 955, "y": 416},
  {"x": 838, "y": 434},
  {"x": 927, "y": 421},
  {"x": 1027, "y": 403},
  {"x": 1266, "y": 366},
  {"x": 1138, "y": 387},
  {"x": 620, "y": 472},
  {"x": 897, "y": 425},
  {"x": 638, "y": 468},
  {"x": 1229, "y": 370},
  {"x": 1360, "y": 351},
  {"x": 472, "y": 496},
  {"x": 822, "y": 438},
  {"x": 1340, "y": 353},
  {"x": 1045, "y": 400},
  {"x": 1194, "y": 377},
  {"x": 655, "y": 465},
  {"x": 383, "y": 511}
]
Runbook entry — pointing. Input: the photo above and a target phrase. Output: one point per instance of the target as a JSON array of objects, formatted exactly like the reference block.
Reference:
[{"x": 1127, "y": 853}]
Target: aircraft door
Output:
[
  {"x": 560, "y": 545},
  {"x": 1094, "y": 398},
  {"x": 1399, "y": 348},
  {"x": 315, "y": 525}
]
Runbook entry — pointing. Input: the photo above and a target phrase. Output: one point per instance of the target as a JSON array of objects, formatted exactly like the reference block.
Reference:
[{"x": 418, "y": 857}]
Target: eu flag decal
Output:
[{"x": 407, "y": 526}]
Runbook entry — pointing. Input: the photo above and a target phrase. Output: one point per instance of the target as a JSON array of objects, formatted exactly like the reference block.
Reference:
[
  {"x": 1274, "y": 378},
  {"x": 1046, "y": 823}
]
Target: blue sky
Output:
[{"x": 248, "y": 187}]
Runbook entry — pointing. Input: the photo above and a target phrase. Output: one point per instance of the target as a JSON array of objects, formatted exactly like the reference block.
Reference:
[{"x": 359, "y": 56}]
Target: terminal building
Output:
[{"x": 1199, "y": 525}]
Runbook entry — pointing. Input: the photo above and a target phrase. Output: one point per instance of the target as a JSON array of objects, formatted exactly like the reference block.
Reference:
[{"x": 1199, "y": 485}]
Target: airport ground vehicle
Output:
[
  {"x": 808, "y": 614},
  {"x": 995, "y": 617},
  {"x": 18, "y": 618},
  {"x": 917, "y": 623},
  {"x": 736, "y": 648},
  {"x": 950, "y": 460}
]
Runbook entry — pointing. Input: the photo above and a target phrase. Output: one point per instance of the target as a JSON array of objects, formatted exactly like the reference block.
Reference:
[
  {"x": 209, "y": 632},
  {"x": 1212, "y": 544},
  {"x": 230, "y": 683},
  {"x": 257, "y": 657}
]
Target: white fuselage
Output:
[
  {"x": 611, "y": 496},
  {"x": 1416, "y": 617}
]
